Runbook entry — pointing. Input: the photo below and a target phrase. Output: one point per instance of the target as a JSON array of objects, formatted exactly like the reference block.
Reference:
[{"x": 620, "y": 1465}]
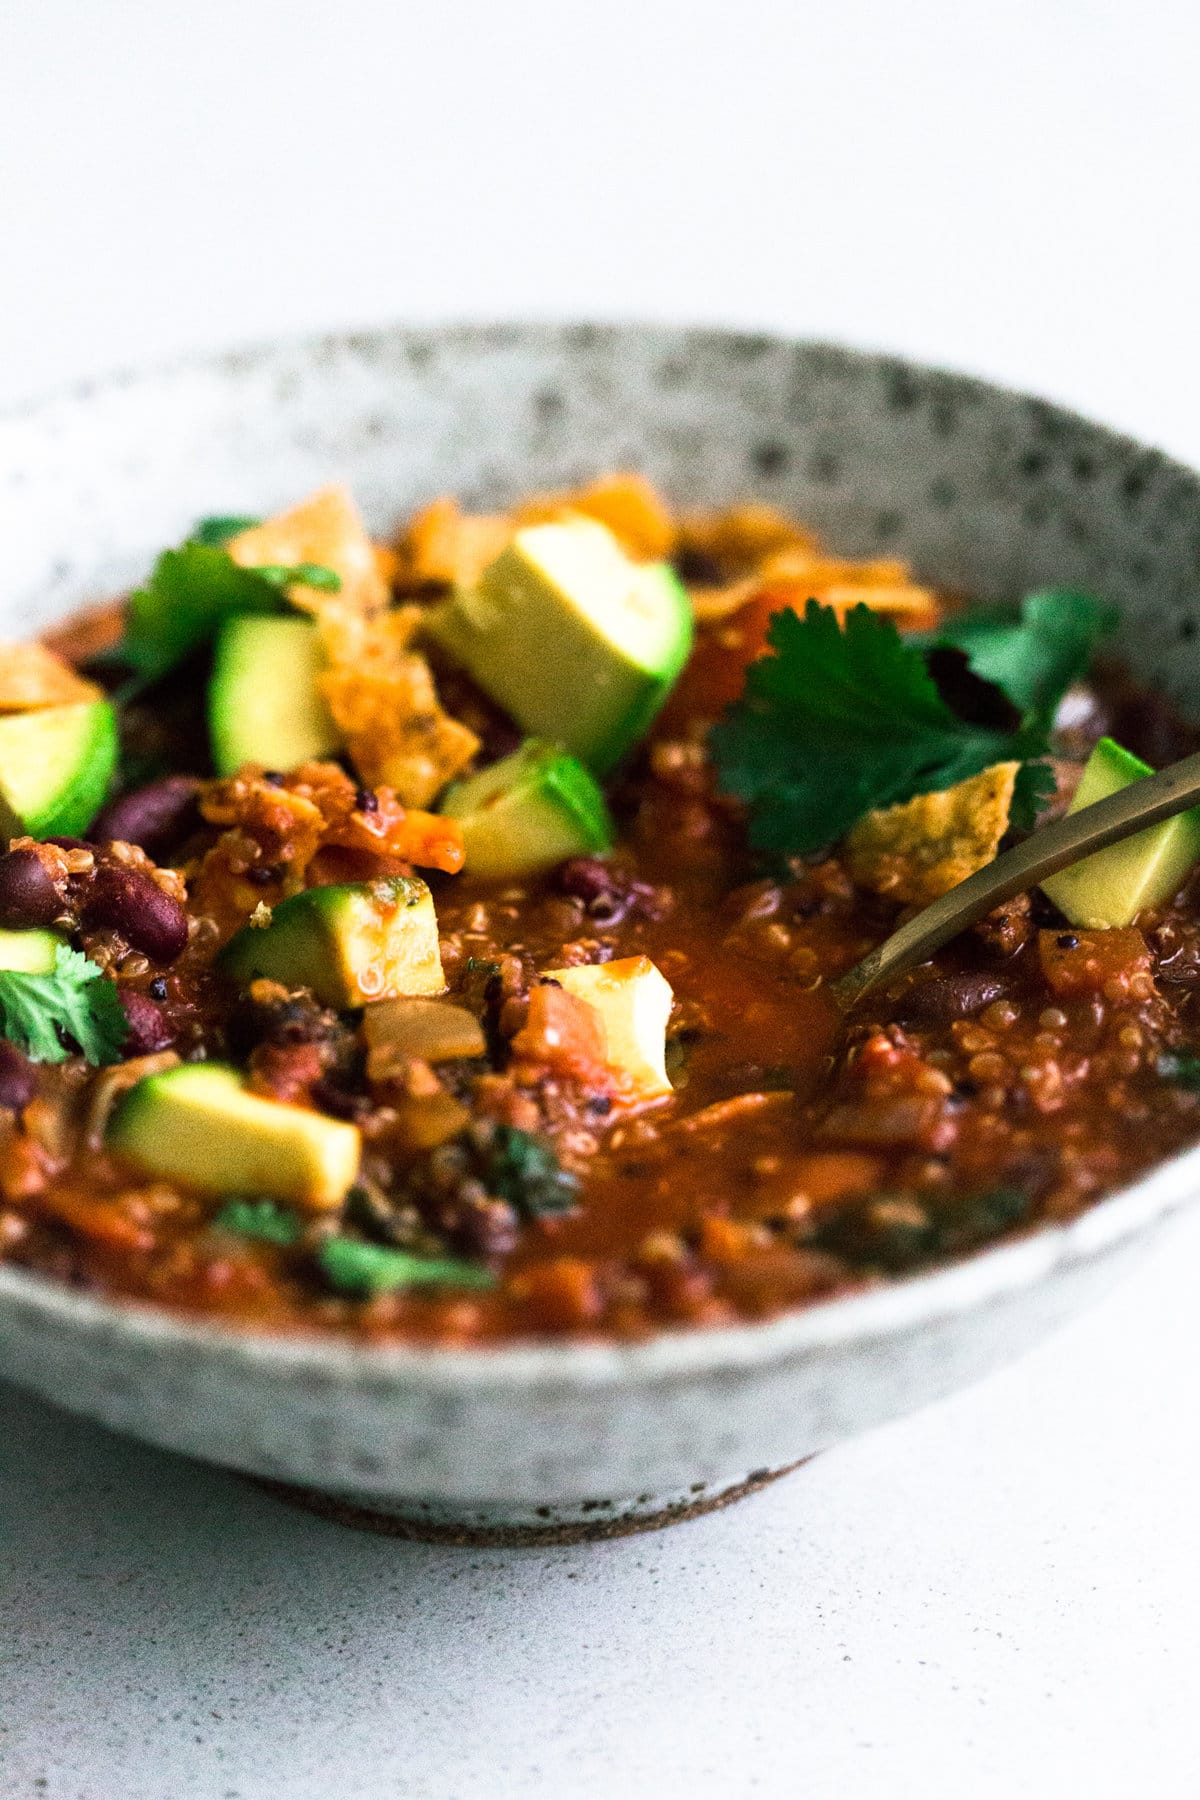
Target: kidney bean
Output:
[
  {"x": 153, "y": 817},
  {"x": 18, "y": 1078},
  {"x": 149, "y": 1028},
  {"x": 608, "y": 894},
  {"x": 132, "y": 904},
  {"x": 28, "y": 897},
  {"x": 950, "y": 997}
]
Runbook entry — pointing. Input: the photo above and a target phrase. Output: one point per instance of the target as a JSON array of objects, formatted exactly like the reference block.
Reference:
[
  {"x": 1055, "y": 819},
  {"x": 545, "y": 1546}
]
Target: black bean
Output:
[
  {"x": 149, "y": 1028},
  {"x": 28, "y": 897},
  {"x": 18, "y": 1078},
  {"x": 132, "y": 904},
  {"x": 154, "y": 817},
  {"x": 949, "y": 997}
]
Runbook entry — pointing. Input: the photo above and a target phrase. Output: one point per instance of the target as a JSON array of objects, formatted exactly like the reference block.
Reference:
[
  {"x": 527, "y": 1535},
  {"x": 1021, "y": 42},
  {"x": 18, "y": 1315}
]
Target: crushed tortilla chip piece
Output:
[
  {"x": 384, "y": 703},
  {"x": 795, "y": 576},
  {"x": 326, "y": 528},
  {"x": 926, "y": 846},
  {"x": 737, "y": 539},
  {"x": 446, "y": 547},
  {"x": 32, "y": 675},
  {"x": 627, "y": 503}
]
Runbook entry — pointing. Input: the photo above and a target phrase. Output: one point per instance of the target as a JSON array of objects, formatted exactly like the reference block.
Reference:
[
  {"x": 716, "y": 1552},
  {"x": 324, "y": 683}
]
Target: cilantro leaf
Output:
[
  {"x": 74, "y": 1002},
  {"x": 357, "y": 1267},
  {"x": 1033, "y": 656},
  {"x": 218, "y": 529},
  {"x": 190, "y": 591},
  {"x": 838, "y": 721}
]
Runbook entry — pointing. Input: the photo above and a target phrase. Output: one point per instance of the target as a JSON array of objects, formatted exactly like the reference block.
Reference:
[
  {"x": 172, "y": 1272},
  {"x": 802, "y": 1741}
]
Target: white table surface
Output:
[{"x": 998, "y": 1597}]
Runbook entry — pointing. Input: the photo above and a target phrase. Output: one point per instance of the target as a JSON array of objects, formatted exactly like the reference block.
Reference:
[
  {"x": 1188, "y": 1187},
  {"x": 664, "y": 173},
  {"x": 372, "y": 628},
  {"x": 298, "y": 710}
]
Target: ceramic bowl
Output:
[{"x": 986, "y": 491}]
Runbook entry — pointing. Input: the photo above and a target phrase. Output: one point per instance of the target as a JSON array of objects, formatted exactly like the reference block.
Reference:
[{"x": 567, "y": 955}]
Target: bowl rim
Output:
[{"x": 942, "y": 1293}]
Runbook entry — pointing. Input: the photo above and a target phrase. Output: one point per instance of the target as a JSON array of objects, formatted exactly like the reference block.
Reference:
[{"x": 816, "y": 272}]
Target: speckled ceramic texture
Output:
[{"x": 986, "y": 491}]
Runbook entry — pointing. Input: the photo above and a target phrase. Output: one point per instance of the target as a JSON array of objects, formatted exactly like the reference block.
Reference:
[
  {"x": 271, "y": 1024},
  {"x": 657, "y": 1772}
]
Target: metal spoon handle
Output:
[{"x": 1068, "y": 840}]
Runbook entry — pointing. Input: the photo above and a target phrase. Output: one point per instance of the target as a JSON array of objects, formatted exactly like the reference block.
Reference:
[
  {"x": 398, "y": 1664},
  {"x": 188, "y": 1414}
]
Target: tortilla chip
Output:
[
  {"x": 326, "y": 529},
  {"x": 797, "y": 575},
  {"x": 384, "y": 702},
  {"x": 446, "y": 547},
  {"x": 32, "y": 676},
  {"x": 633, "y": 510},
  {"x": 925, "y": 847}
]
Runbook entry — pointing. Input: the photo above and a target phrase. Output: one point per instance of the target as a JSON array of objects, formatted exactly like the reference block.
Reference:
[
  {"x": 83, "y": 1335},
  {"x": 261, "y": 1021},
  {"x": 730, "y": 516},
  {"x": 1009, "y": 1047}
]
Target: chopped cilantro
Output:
[
  {"x": 840, "y": 720},
  {"x": 366, "y": 1269},
  {"x": 313, "y": 575},
  {"x": 75, "y": 1004},
  {"x": 218, "y": 530},
  {"x": 1181, "y": 1068},
  {"x": 347, "y": 1263},
  {"x": 263, "y": 1220},
  {"x": 524, "y": 1171}
]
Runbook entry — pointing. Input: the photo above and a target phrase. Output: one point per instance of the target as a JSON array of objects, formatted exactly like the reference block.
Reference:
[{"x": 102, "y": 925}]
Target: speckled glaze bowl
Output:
[{"x": 986, "y": 491}]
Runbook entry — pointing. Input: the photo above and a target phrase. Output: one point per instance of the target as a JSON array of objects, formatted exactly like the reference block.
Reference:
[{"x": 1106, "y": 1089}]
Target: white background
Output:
[{"x": 999, "y": 1598}]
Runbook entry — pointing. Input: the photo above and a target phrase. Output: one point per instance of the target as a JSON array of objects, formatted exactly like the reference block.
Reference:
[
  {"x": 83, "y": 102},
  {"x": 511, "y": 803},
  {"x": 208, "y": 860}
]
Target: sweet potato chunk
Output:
[{"x": 1113, "y": 963}]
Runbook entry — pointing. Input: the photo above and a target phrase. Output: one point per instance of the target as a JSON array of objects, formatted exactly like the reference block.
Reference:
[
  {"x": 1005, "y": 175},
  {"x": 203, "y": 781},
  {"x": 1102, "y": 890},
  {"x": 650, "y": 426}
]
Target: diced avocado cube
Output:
[
  {"x": 29, "y": 952},
  {"x": 578, "y": 642},
  {"x": 197, "y": 1124},
  {"x": 56, "y": 763},
  {"x": 368, "y": 940},
  {"x": 529, "y": 811},
  {"x": 264, "y": 705},
  {"x": 1109, "y": 889},
  {"x": 633, "y": 999}
]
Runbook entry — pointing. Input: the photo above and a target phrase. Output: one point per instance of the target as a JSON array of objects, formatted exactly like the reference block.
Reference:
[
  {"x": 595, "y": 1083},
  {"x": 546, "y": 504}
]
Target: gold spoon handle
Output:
[{"x": 1068, "y": 840}]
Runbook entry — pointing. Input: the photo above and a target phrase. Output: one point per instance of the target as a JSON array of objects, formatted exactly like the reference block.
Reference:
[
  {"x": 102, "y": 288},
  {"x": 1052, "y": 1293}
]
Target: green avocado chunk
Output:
[
  {"x": 264, "y": 705},
  {"x": 197, "y": 1124},
  {"x": 1109, "y": 889},
  {"x": 529, "y": 811},
  {"x": 28, "y": 952},
  {"x": 367, "y": 940},
  {"x": 579, "y": 643},
  {"x": 56, "y": 764}
]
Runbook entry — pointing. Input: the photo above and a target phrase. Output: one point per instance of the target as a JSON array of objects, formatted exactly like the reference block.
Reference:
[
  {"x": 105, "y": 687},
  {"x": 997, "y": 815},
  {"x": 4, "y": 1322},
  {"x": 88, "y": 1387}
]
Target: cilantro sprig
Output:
[
  {"x": 192, "y": 589},
  {"x": 74, "y": 1004},
  {"x": 1033, "y": 655},
  {"x": 839, "y": 720}
]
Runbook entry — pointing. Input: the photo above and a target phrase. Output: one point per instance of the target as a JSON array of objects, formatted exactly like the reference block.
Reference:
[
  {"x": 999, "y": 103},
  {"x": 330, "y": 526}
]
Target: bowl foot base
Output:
[{"x": 508, "y": 1527}]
